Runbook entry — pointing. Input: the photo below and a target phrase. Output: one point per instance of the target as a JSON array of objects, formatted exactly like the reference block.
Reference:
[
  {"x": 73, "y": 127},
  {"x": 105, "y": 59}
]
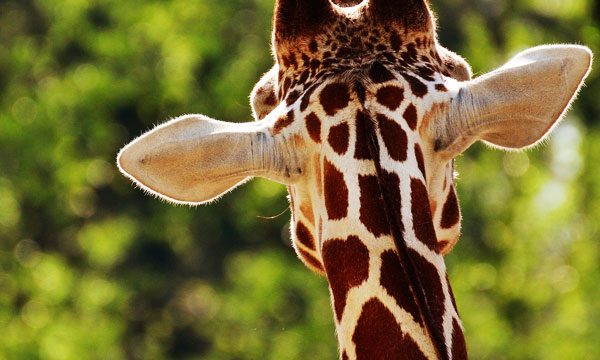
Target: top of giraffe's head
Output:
[
  {"x": 306, "y": 31},
  {"x": 297, "y": 19},
  {"x": 313, "y": 39}
]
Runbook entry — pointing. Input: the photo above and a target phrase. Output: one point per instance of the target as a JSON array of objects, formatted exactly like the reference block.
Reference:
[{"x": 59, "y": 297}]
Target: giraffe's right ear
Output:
[
  {"x": 194, "y": 159},
  {"x": 517, "y": 105}
]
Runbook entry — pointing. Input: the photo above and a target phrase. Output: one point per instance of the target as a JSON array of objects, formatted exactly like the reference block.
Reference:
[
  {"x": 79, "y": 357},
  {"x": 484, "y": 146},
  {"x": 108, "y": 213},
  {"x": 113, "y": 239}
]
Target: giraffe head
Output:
[{"x": 361, "y": 117}]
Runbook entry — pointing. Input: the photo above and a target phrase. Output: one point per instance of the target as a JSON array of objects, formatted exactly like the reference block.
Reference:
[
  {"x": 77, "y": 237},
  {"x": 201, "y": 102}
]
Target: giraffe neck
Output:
[
  {"x": 408, "y": 267},
  {"x": 391, "y": 295},
  {"x": 382, "y": 258}
]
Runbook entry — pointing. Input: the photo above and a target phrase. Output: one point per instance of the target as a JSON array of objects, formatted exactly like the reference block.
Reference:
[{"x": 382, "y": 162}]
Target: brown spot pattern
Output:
[
  {"x": 395, "y": 41},
  {"x": 310, "y": 260},
  {"x": 425, "y": 72},
  {"x": 419, "y": 89},
  {"x": 371, "y": 205},
  {"x": 443, "y": 247},
  {"x": 420, "y": 160},
  {"x": 334, "y": 97},
  {"x": 336, "y": 192},
  {"x": 395, "y": 282},
  {"x": 378, "y": 336},
  {"x": 390, "y": 96},
  {"x": 371, "y": 202},
  {"x": 344, "y": 356},
  {"x": 361, "y": 151},
  {"x": 360, "y": 91},
  {"x": 451, "y": 294},
  {"x": 413, "y": 15},
  {"x": 292, "y": 97},
  {"x": 394, "y": 137},
  {"x": 270, "y": 99},
  {"x": 379, "y": 73},
  {"x": 283, "y": 122},
  {"x": 451, "y": 211},
  {"x": 434, "y": 293},
  {"x": 347, "y": 266},
  {"x": 264, "y": 100},
  {"x": 306, "y": 98},
  {"x": 291, "y": 21},
  {"x": 421, "y": 214},
  {"x": 313, "y": 125},
  {"x": 304, "y": 236},
  {"x": 338, "y": 138},
  {"x": 410, "y": 115},
  {"x": 441, "y": 87},
  {"x": 286, "y": 86},
  {"x": 313, "y": 46},
  {"x": 459, "y": 345}
]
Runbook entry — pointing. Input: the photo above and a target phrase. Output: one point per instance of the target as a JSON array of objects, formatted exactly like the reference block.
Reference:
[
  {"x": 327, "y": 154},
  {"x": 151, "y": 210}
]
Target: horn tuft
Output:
[
  {"x": 296, "y": 18},
  {"x": 413, "y": 14}
]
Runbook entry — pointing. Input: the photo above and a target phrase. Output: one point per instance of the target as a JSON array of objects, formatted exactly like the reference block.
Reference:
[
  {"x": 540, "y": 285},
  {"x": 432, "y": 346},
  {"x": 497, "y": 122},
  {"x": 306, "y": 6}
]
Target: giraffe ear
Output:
[
  {"x": 194, "y": 159},
  {"x": 517, "y": 105}
]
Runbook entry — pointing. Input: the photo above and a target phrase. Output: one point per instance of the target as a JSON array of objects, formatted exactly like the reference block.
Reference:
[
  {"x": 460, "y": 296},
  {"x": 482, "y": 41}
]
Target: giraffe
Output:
[{"x": 361, "y": 118}]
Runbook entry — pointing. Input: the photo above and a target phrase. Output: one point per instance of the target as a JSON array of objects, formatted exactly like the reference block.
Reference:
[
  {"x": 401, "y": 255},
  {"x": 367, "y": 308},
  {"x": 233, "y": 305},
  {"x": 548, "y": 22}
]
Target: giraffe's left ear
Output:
[
  {"x": 194, "y": 159},
  {"x": 517, "y": 105}
]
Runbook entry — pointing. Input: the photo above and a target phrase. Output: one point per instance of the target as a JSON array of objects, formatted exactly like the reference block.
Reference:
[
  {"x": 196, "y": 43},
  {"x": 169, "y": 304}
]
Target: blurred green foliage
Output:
[{"x": 91, "y": 268}]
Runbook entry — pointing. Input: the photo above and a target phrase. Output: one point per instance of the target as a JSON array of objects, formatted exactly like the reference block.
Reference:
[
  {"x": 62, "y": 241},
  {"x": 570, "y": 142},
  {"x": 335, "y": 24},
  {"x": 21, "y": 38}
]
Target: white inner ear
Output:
[
  {"x": 517, "y": 105},
  {"x": 194, "y": 159}
]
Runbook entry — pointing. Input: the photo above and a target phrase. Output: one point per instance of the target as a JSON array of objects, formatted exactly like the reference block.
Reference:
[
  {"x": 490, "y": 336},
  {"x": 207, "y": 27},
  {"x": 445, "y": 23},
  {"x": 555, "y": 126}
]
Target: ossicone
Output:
[
  {"x": 296, "y": 18},
  {"x": 412, "y": 14}
]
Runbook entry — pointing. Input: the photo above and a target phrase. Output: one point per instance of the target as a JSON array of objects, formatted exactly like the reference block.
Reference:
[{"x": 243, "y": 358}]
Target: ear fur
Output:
[
  {"x": 517, "y": 105},
  {"x": 194, "y": 159}
]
